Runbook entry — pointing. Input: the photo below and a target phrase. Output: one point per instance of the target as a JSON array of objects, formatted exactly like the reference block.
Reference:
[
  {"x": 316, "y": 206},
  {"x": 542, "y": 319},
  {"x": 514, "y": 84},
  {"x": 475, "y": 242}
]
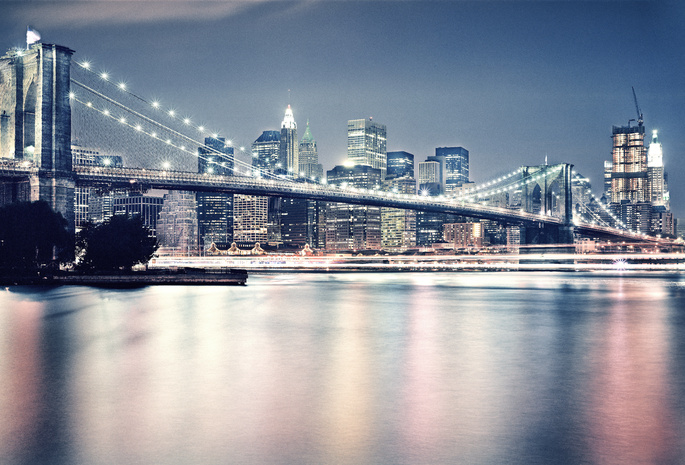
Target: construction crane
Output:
[{"x": 640, "y": 120}]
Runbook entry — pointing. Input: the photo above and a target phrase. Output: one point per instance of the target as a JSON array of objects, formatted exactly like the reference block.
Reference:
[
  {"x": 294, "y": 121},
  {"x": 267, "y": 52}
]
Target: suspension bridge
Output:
[{"x": 49, "y": 102}]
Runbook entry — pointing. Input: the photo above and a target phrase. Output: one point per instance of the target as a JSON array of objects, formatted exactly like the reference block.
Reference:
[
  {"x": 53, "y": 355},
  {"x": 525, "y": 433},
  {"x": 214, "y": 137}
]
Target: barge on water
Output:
[{"x": 180, "y": 277}]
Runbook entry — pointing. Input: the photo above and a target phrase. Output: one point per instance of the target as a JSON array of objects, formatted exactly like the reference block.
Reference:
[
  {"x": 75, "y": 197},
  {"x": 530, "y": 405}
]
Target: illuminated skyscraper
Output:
[
  {"x": 398, "y": 226},
  {"x": 266, "y": 150},
  {"x": 309, "y": 156},
  {"x": 400, "y": 164},
  {"x": 630, "y": 194},
  {"x": 353, "y": 227},
  {"x": 366, "y": 144},
  {"x": 289, "y": 147},
  {"x": 655, "y": 173},
  {"x": 455, "y": 167}
]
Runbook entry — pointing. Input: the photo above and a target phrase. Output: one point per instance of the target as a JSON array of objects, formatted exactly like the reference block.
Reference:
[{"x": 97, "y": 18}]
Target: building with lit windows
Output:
[
  {"x": 430, "y": 174},
  {"x": 266, "y": 151},
  {"x": 309, "y": 157},
  {"x": 250, "y": 217},
  {"x": 366, "y": 144},
  {"x": 455, "y": 167},
  {"x": 215, "y": 210},
  {"x": 398, "y": 226},
  {"x": 353, "y": 227},
  {"x": 630, "y": 196},
  {"x": 289, "y": 147},
  {"x": 658, "y": 193},
  {"x": 400, "y": 164},
  {"x": 463, "y": 235}
]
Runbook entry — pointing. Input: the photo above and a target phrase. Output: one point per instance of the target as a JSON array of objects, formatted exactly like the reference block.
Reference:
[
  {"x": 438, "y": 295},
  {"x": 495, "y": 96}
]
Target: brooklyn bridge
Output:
[{"x": 45, "y": 94}]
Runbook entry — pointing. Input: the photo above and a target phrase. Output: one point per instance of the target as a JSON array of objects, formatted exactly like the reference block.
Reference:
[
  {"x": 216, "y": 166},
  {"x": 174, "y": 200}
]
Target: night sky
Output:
[{"x": 511, "y": 81}]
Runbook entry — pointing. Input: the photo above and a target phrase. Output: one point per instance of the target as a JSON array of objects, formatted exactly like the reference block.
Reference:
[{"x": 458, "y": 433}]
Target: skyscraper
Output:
[
  {"x": 366, "y": 144},
  {"x": 455, "y": 168},
  {"x": 398, "y": 226},
  {"x": 353, "y": 227},
  {"x": 630, "y": 194},
  {"x": 289, "y": 147},
  {"x": 266, "y": 150},
  {"x": 655, "y": 173},
  {"x": 215, "y": 210},
  {"x": 309, "y": 156},
  {"x": 400, "y": 164}
]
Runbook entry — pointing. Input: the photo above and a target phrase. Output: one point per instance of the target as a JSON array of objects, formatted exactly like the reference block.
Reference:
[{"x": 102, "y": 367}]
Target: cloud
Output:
[{"x": 93, "y": 12}]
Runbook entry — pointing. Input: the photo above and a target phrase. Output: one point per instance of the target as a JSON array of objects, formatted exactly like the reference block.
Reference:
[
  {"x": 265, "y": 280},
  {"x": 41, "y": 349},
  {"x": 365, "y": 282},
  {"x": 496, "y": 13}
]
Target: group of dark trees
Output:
[{"x": 34, "y": 237}]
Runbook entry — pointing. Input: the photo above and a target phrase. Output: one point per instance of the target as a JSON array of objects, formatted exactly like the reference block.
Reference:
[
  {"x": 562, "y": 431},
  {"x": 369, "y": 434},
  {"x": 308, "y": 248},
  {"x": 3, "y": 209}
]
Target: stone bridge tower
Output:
[
  {"x": 550, "y": 195},
  {"x": 35, "y": 123}
]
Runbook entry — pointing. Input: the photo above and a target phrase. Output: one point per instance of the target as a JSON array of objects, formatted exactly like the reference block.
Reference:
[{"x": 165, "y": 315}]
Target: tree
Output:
[
  {"x": 117, "y": 244},
  {"x": 32, "y": 235}
]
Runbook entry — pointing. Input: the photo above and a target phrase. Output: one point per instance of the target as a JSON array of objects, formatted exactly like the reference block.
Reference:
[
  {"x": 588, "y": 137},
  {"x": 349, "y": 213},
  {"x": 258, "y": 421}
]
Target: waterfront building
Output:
[
  {"x": 309, "y": 157},
  {"x": 177, "y": 224},
  {"x": 215, "y": 210},
  {"x": 366, "y": 144},
  {"x": 398, "y": 226},
  {"x": 289, "y": 147},
  {"x": 250, "y": 218},
  {"x": 353, "y": 227},
  {"x": 266, "y": 151},
  {"x": 463, "y": 235},
  {"x": 455, "y": 167},
  {"x": 400, "y": 164}
]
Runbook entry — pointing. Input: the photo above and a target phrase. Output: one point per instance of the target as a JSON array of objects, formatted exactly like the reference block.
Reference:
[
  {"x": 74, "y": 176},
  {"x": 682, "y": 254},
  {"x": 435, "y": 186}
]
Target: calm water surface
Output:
[{"x": 415, "y": 368}]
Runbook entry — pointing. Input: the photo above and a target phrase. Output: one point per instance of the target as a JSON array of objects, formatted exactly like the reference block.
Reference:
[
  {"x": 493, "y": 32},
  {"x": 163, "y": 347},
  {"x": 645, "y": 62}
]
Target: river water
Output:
[{"x": 349, "y": 368}]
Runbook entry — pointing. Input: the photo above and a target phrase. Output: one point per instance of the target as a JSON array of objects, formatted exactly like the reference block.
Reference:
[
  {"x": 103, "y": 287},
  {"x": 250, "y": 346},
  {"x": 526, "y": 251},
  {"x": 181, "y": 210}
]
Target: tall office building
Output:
[
  {"x": 353, "y": 227},
  {"x": 400, "y": 164},
  {"x": 309, "y": 156},
  {"x": 429, "y": 178},
  {"x": 455, "y": 167},
  {"x": 266, "y": 151},
  {"x": 655, "y": 173},
  {"x": 250, "y": 217},
  {"x": 289, "y": 147},
  {"x": 398, "y": 226},
  {"x": 630, "y": 194},
  {"x": 366, "y": 144},
  {"x": 215, "y": 210}
]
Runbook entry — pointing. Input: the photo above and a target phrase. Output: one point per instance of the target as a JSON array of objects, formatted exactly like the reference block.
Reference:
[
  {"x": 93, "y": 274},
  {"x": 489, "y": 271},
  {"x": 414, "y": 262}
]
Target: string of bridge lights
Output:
[
  {"x": 609, "y": 212},
  {"x": 173, "y": 114}
]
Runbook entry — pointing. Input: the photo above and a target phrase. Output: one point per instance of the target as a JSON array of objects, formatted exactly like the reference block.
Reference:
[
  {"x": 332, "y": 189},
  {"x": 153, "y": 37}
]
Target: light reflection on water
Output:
[{"x": 376, "y": 368}]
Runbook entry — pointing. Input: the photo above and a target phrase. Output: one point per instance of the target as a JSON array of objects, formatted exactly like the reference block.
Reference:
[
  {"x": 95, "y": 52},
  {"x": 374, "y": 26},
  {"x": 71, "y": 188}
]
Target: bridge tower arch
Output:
[
  {"x": 551, "y": 194},
  {"x": 35, "y": 122}
]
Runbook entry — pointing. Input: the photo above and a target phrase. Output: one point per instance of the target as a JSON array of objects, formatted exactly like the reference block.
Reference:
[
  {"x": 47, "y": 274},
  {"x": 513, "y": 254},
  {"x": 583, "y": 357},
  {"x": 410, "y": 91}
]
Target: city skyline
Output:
[{"x": 512, "y": 82}]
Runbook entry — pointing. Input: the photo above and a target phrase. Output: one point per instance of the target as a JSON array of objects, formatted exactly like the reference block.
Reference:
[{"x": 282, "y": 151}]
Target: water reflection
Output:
[{"x": 348, "y": 368}]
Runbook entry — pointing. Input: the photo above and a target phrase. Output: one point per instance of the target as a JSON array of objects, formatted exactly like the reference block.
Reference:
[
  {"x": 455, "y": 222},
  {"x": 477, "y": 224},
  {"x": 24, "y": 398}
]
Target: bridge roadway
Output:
[
  {"x": 145, "y": 179},
  {"x": 139, "y": 178}
]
